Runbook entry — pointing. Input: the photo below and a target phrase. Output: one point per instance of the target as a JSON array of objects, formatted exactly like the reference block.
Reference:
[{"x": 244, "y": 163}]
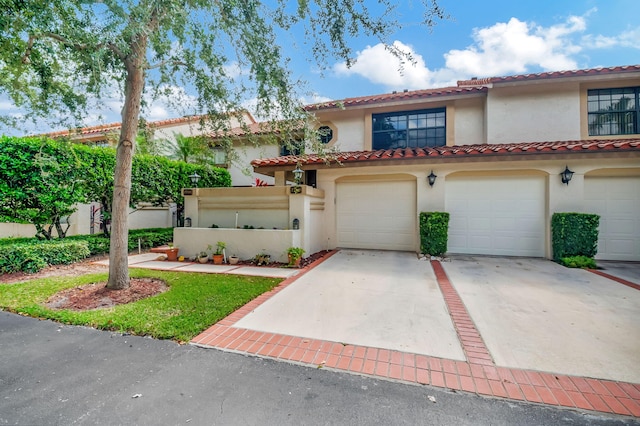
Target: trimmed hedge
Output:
[
  {"x": 434, "y": 227},
  {"x": 31, "y": 257},
  {"x": 574, "y": 234},
  {"x": 31, "y": 254}
]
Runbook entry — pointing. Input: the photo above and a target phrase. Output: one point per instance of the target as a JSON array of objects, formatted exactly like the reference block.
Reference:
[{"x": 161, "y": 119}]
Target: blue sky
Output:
[{"x": 481, "y": 39}]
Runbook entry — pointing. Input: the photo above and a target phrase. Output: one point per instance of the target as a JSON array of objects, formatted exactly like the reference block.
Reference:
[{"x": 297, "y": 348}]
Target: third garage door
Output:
[
  {"x": 496, "y": 215},
  {"x": 377, "y": 215}
]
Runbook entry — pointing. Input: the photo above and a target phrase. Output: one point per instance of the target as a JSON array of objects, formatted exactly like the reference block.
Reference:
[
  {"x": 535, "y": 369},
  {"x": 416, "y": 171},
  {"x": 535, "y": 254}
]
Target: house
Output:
[
  {"x": 488, "y": 151},
  {"x": 237, "y": 163}
]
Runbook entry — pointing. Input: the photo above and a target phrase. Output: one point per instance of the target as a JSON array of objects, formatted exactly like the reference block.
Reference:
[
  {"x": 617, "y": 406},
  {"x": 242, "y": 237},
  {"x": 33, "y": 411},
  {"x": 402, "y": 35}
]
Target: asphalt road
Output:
[{"x": 53, "y": 374}]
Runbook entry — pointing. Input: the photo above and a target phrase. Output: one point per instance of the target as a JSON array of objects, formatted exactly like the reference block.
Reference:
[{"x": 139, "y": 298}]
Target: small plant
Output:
[
  {"x": 214, "y": 226},
  {"x": 578, "y": 262},
  {"x": 262, "y": 258},
  {"x": 295, "y": 254},
  {"x": 220, "y": 246}
]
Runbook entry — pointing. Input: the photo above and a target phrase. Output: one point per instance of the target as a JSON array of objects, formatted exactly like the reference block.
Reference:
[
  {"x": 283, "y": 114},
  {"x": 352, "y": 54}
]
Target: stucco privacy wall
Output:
[
  {"x": 260, "y": 207},
  {"x": 80, "y": 221},
  {"x": 558, "y": 196}
]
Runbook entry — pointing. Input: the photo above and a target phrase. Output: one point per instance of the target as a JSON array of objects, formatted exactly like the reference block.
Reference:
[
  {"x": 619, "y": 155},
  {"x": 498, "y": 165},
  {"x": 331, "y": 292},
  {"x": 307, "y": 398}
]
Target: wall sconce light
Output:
[
  {"x": 297, "y": 175},
  {"x": 431, "y": 178},
  {"x": 194, "y": 179},
  {"x": 296, "y": 223},
  {"x": 187, "y": 222},
  {"x": 566, "y": 175}
]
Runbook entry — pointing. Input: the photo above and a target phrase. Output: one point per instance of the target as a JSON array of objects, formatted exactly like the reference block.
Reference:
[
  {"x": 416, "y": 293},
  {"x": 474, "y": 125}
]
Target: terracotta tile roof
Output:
[
  {"x": 104, "y": 128},
  {"x": 467, "y": 87},
  {"x": 511, "y": 149},
  {"x": 396, "y": 96},
  {"x": 566, "y": 74},
  {"x": 262, "y": 128}
]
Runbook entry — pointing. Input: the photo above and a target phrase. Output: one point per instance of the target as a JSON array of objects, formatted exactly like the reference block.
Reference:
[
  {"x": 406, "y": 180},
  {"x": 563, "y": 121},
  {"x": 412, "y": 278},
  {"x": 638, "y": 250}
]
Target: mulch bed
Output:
[{"x": 97, "y": 295}]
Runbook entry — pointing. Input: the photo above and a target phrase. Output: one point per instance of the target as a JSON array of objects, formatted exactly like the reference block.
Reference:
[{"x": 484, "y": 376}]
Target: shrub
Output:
[
  {"x": 574, "y": 234},
  {"x": 31, "y": 257},
  {"x": 31, "y": 254},
  {"x": 434, "y": 227},
  {"x": 578, "y": 262}
]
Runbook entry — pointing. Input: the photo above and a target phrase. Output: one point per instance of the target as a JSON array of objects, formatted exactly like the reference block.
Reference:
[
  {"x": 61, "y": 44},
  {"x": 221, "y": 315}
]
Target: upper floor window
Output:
[
  {"x": 613, "y": 111},
  {"x": 414, "y": 129},
  {"x": 325, "y": 134},
  {"x": 292, "y": 148}
]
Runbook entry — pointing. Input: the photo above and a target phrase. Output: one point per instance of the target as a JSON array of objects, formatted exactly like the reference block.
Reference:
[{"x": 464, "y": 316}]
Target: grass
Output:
[{"x": 192, "y": 304}]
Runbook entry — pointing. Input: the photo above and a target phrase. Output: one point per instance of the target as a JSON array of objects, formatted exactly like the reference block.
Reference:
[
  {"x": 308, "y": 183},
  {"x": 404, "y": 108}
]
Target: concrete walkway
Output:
[
  {"x": 495, "y": 367},
  {"x": 148, "y": 261}
]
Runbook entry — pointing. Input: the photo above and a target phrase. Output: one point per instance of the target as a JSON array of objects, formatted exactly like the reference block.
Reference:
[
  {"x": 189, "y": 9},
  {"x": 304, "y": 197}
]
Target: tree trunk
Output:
[{"x": 118, "y": 251}]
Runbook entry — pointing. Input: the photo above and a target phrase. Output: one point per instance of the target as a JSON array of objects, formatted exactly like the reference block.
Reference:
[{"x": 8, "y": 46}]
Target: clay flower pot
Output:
[
  {"x": 172, "y": 254},
  {"x": 218, "y": 259}
]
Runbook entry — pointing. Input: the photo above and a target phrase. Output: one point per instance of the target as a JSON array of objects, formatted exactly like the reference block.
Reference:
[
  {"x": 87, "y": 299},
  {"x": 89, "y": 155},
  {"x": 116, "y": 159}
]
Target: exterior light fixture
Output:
[
  {"x": 297, "y": 175},
  {"x": 194, "y": 179},
  {"x": 431, "y": 178},
  {"x": 296, "y": 223},
  {"x": 187, "y": 222},
  {"x": 566, "y": 175}
]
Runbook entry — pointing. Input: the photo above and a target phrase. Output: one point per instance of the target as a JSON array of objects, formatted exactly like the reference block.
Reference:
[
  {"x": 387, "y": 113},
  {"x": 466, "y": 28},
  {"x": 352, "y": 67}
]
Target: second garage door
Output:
[
  {"x": 376, "y": 215},
  {"x": 496, "y": 215},
  {"x": 617, "y": 201}
]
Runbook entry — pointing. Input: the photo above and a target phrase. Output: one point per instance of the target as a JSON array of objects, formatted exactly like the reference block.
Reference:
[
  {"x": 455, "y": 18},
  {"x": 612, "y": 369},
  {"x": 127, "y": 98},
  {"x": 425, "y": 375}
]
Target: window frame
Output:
[
  {"x": 413, "y": 134},
  {"x": 598, "y": 96}
]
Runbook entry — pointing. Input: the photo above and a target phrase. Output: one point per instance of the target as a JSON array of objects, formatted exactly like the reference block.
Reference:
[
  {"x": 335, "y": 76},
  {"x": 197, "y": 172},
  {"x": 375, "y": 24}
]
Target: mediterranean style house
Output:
[
  {"x": 238, "y": 164},
  {"x": 490, "y": 151}
]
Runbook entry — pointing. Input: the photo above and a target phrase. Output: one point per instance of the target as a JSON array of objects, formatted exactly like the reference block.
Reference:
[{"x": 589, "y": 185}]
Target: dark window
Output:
[
  {"x": 613, "y": 111},
  {"x": 292, "y": 148},
  {"x": 325, "y": 134},
  {"x": 414, "y": 129}
]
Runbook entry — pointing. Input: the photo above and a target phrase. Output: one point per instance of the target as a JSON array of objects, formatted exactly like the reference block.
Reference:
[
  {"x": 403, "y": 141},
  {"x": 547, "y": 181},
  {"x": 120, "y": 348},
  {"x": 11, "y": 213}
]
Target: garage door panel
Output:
[
  {"x": 617, "y": 201},
  {"x": 500, "y": 216},
  {"x": 380, "y": 215}
]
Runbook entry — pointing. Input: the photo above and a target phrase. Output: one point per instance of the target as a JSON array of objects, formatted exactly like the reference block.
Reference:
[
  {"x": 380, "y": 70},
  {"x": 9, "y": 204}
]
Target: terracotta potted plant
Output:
[
  {"x": 295, "y": 256},
  {"x": 218, "y": 256},
  {"x": 172, "y": 253}
]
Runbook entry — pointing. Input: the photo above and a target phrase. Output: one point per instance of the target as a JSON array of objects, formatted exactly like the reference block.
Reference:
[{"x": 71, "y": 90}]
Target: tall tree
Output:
[{"x": 56, "y": 56}]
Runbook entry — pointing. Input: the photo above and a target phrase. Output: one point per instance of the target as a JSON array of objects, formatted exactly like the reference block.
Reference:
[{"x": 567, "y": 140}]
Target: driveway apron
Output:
[
  {"x": 535, "y": 314},
  {"x": 377, "y": 299}
]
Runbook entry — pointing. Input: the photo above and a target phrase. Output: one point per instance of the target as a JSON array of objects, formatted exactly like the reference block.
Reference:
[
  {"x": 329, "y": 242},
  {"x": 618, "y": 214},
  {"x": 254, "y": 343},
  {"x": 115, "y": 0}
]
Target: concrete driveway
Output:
[
  {"x": 372, "y": 298},
  {"x": 525, "y": 329},
  {"x": 536, "y": 314}
]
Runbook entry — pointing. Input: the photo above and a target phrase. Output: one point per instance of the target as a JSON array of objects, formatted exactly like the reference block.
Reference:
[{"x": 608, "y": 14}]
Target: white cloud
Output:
[
  {"x": 504, "y": 48},
  {"x": 514, "y": 46},
  {"x": 379, "y": 65}
]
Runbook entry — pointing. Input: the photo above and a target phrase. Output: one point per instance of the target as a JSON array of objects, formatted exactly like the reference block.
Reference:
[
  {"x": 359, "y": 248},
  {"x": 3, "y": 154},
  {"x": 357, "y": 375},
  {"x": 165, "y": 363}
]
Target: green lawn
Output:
[{"x": 192, "y": 303}]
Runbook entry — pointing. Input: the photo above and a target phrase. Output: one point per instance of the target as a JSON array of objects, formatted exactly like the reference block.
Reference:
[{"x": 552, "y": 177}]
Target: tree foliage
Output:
[
  {"x": 41, "y": 180},
  {"x": 56, "y": 56}
]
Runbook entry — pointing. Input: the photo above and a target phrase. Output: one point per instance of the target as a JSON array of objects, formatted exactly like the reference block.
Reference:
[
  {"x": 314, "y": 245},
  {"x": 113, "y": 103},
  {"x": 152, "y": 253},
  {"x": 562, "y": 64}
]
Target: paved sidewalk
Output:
[
  {"x": 148, "y": 261},
  {"x": 479, "y": 372}
]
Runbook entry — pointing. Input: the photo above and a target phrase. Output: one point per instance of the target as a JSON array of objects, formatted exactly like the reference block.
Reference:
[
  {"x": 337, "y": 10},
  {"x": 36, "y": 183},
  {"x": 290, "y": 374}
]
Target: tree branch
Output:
[
  {"x": 166, "y": 62},
  {"x": 67, "y": 42}
]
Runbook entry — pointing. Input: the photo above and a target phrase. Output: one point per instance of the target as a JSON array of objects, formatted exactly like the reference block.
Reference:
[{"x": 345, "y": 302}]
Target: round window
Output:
[{"x": 325, "y": 133}]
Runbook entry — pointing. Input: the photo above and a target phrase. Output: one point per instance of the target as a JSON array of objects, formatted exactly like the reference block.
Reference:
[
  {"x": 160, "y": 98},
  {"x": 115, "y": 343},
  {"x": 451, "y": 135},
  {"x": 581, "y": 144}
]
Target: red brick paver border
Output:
[
  {"x": 478, "y": 374},
  {"x": 614, "y": 278}
]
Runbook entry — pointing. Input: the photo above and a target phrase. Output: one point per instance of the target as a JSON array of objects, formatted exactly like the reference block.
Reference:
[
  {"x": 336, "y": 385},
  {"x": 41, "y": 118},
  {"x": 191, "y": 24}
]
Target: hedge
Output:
[
  {"x": 434, "y": 227},
  {"x": 574, "y": 234},
  {"x": 31, "y": 257},
  {"x": 31, "y": 254}
]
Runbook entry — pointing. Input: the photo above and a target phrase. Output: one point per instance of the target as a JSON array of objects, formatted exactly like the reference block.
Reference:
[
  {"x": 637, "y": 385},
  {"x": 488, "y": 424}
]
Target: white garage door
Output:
[
  {"x": 617, "y": 201},
  {"x": 377, "y": 215},
  {"x": 500, "y": 216}
]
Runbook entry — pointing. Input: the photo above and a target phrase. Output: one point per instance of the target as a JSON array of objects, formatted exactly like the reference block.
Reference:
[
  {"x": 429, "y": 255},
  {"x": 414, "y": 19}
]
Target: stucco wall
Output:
[{"x": 533, "y": 114}]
